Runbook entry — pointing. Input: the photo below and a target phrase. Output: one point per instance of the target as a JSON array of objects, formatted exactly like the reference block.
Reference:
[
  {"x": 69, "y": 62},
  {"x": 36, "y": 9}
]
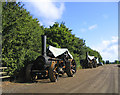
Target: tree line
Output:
[{"x": 21, "y": 38}]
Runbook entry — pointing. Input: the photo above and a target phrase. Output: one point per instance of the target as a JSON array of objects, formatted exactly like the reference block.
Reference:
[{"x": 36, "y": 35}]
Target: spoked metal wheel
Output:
[
  {"x": 74, "y": 67},
  {"x": 94, "y": 63},
  {"x": 30, "y": 77},
  {"x": 53, "y": 72},
  {"x": 90, "y": 65},
  {"x": 70, "y": 68}
]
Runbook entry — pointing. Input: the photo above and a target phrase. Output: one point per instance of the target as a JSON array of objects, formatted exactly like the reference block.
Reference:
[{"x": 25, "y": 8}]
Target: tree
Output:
[
  {"x": 21, "y": 37},
  {"x": 107, "y": 62},
  {"x": 60, "y": 36},
  {"x": 116, "y": 62}
]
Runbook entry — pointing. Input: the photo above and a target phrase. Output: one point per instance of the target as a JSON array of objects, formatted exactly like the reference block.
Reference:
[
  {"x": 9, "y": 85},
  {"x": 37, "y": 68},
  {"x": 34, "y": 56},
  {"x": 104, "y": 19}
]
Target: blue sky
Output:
[{"x": 95, "y": 22}]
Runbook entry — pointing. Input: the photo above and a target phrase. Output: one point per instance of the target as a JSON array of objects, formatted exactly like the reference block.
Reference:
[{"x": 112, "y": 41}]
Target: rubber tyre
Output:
[{"x": 52, "y": 73}]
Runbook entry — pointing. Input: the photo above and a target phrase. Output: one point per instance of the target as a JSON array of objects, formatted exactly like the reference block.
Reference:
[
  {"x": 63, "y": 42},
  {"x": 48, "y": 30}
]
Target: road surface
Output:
[{"x": 103, "y": 79}]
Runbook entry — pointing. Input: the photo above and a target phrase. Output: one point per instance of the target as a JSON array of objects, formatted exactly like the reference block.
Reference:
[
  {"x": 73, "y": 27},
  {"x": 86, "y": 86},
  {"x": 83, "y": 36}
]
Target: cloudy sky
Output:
[{"x": 95, "y": 22}]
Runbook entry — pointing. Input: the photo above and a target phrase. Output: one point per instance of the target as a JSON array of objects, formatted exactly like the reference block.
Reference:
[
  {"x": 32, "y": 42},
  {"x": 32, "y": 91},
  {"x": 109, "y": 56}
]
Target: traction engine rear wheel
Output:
[{"x": 70, "y": 68}]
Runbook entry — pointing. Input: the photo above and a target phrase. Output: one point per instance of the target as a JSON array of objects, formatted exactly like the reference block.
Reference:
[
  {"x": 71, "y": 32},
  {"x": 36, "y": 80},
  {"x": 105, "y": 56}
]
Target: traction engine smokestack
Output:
[
  {"x": 44, "y": 45},
  {"x": 87, "y": 55}
]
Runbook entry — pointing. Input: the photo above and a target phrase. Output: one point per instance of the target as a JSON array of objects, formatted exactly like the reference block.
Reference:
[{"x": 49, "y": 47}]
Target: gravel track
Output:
[{"x": 103, "y": 79}]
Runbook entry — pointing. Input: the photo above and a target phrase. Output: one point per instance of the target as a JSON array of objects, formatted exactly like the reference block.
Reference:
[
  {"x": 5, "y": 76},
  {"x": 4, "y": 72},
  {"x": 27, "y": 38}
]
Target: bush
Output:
[{"x": 21, "y": 37}]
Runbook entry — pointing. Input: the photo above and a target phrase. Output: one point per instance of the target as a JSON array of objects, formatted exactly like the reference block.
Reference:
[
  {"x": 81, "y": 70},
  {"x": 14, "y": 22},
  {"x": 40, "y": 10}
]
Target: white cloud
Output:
[
  {"x": 89, "y": 28},
  {"x": 92, "y": 27},
  {"x": 108, "y": 49},
  {"x": 82, "y": 30},
  {"x": 40, "y": 23},
  {"x": 114, "y": 39},
  {"x": 48, "y": 11}
]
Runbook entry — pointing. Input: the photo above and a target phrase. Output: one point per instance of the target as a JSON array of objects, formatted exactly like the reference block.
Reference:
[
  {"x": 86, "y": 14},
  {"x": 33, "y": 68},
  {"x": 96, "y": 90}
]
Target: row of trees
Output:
[
  {"x": 108, "y": 62},
  {"x": 21, "y": 38}
]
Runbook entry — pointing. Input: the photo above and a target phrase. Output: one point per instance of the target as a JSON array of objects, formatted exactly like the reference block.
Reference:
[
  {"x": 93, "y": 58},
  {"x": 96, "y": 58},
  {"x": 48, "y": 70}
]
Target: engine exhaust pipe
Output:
[
  {"x": 44, "y": 45},
  {"x": 87, "y": 55}
]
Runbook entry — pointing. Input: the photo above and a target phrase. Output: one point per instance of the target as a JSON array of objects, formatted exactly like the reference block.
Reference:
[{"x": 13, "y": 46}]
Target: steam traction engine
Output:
[
  {"x": 51, "y": 64},
  {"x": 89, "y": 62}
]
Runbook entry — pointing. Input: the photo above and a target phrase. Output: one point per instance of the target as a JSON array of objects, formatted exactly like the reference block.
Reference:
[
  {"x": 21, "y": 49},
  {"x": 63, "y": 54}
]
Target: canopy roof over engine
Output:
[
  {"x": 59, "y": 51},
  {"x": 97, "y": 60},
  {"x": 91, "y": 57}
]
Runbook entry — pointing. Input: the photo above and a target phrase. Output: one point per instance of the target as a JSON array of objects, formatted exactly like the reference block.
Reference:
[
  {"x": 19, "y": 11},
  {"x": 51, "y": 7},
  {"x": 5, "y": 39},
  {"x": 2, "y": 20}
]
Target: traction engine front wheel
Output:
[
  {"x": 30, "y": 77},
  {"x": 53, "y": 72}
]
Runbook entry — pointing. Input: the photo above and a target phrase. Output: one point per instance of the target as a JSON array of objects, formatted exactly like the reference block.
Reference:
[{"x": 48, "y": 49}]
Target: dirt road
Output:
[{"x": 103, "y": 79}]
